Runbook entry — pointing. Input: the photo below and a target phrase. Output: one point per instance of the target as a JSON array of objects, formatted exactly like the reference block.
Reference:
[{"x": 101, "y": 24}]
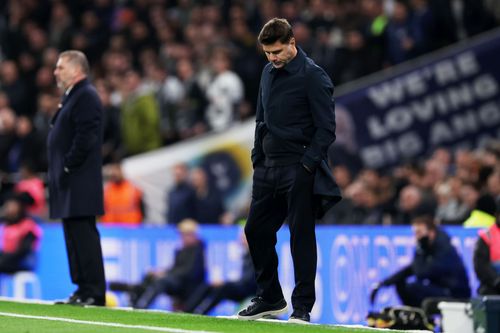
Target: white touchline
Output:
[{"x": 99, "y": 323}]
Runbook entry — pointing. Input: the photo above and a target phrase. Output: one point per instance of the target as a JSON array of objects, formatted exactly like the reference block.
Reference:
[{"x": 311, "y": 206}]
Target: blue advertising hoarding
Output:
[
  {"x": 350, "y": 260},
  {"x": 450, "y": 99}
]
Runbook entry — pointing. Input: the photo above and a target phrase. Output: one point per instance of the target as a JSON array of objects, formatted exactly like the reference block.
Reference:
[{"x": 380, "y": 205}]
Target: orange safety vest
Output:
[
  {"x": 491, "y": 237},
  {"x": 122, "y": 203},
  {"x": 13, "y": 234}
]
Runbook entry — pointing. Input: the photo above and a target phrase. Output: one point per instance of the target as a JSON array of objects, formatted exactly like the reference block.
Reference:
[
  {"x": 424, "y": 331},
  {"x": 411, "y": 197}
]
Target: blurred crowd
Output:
[
  {"x": 456, "y": 188},
  {"x": 171, "y": 70},
  {"x": 452, "y": 187}
]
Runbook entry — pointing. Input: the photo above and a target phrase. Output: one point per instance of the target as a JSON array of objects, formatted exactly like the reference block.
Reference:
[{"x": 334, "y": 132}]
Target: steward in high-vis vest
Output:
[
  {"x": 20, "y": 236},
  {"x": 122, "y": 199},
  {"x": 483, "y": 216},
  {"x": 487, "y": 259}
]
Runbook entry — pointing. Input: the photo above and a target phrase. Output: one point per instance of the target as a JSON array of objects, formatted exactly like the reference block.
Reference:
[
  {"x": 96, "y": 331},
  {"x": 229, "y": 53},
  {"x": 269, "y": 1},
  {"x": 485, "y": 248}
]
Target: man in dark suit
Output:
[
  {"x": 295, "y": 127},
  {"x": 75, "y": 177}
]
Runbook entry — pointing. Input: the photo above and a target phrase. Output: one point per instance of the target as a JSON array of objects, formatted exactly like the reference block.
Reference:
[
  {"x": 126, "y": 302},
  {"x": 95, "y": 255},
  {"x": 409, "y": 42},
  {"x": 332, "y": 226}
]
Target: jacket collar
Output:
[
  {"x": 65, "y": 97},
  {"x": 71, "y": 89}
]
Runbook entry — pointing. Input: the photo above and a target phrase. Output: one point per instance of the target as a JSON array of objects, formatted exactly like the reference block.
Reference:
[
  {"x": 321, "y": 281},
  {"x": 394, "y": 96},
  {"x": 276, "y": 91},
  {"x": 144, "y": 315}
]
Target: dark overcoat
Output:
[{"x": 74, "y": 155}]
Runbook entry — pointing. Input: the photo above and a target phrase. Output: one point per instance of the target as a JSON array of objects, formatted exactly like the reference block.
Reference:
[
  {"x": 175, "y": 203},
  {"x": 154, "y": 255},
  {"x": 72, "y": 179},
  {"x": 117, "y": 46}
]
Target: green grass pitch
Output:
[{"x": 16, "y": 317}]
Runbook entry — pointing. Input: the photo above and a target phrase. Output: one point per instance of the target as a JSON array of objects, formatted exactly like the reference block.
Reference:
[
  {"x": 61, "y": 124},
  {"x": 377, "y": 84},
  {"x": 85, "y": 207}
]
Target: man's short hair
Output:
[
  {"x": 427, "y": 220},
  {"x": 277, "y": 29},
  {"x": 77, "y": 58}
]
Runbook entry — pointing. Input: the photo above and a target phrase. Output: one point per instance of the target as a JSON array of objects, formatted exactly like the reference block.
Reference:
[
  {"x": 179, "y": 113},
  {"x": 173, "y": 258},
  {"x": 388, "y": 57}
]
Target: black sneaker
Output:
[
  {"x": 71, "y": 299},
  {"x": 260, "y": 308},
  {"x": 300, "y": 317},
  {"x": 83, "y": 301}
]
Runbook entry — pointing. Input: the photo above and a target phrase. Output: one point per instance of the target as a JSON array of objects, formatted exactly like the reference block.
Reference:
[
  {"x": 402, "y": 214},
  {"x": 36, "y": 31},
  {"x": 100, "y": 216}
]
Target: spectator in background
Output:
[
  {"x": 467, "y": 168},
  {"x": 449, "y": 210},
  {"x": 434, "y": 173},
  {"x": 14, "y": 87},
  {"x": 404, "y": 35},
  {"x": 60, "y": 26},
  {"x": 122, "y": 200},
  {"x": 181, "y": 197},
  {"x": 352, "y": 61},
  {"x": 483, "y": 214},
  {"x": 459, "y": 19},
  {"x": 208, "y": 203},
  {"x": 20, "y": 235},
  {"x": 46, "y": 107},
  {"x": 425, "y": 19},
  {"x": 493, "y": 6},
  {"x": 493, "y": 184},
  {"x": 375, "y": 30},
  {"x": 140, "y": 120},
  {"x": 190, "y": 119},
  {"x": 364, "y": 205},
  {"x": 208, "y": 296},
  {"x": 437, "y": 268},
  {"x": 469, "y": 195},
  {"x": 4, "y": 100},
  {"x": 412, "y": 203},
  {"x": 111, "y": 139},
  {"x": 168, "y": 91},
  {"x": 7, "y": 136},
  {"x": 224, "y": 92},
  {"x": 247, "y": 63},
  {"x": 187, "y": 272},
  {"x": 32, "y": 184},
  {"x": 487, "y": 259},
  {"x": 28, "y": 147}
]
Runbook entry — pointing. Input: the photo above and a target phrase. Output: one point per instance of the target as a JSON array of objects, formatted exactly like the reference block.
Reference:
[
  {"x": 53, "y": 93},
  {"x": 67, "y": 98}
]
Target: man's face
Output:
[
  {"x": 280, "y": 54},
  {"x": 420, "y": 230},
  {"x": 65, "y": 73},
  {"x": 12, "y": 210}
]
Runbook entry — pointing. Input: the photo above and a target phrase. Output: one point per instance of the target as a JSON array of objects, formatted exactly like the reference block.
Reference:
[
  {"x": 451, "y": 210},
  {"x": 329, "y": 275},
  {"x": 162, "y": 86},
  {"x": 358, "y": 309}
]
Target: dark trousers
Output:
[
  {"x": 10, "y": 263},
  {"x": 413, "y": 294},
  {"x": 155, "y": 286},
  {"x": 83, "y": 245},
  {"x": 281, "y": 193},
  {"x": 207, "y": 297}
]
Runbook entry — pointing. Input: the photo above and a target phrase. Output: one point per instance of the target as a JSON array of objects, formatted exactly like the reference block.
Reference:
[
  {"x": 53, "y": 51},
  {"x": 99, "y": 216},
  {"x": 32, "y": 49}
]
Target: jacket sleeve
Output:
[
  {"x": 320, "y": 96},
  {"x": 485, "y": 272},
  {"x": 399, "y": 276},
  {"x": 86, "y": 120},
  {"x": 260, "y": 128}
]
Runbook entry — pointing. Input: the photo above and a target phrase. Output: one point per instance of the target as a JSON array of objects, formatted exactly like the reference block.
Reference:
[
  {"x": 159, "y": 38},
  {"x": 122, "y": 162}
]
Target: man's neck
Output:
[
  {"x": 75, "y": 81},
  {"x": 294, "y": 54}
]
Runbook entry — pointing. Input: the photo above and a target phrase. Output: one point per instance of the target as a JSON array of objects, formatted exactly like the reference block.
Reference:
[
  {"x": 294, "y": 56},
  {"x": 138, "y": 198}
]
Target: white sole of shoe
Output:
[
  {"x": 298, "y": 321},
  {"x": 264, "y": 314}
]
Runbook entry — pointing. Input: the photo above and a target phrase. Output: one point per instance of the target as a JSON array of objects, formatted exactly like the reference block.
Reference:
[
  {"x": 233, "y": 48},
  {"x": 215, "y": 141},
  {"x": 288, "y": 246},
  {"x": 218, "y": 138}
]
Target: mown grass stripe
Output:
[{"x": 98, "y": 323}]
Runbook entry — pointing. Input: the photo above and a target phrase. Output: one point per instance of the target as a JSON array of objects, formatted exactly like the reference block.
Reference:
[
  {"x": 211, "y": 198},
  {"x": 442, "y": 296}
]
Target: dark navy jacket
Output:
[
  {"x": 295, "y": 105},
  {"x": 74, "y": 142}
]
